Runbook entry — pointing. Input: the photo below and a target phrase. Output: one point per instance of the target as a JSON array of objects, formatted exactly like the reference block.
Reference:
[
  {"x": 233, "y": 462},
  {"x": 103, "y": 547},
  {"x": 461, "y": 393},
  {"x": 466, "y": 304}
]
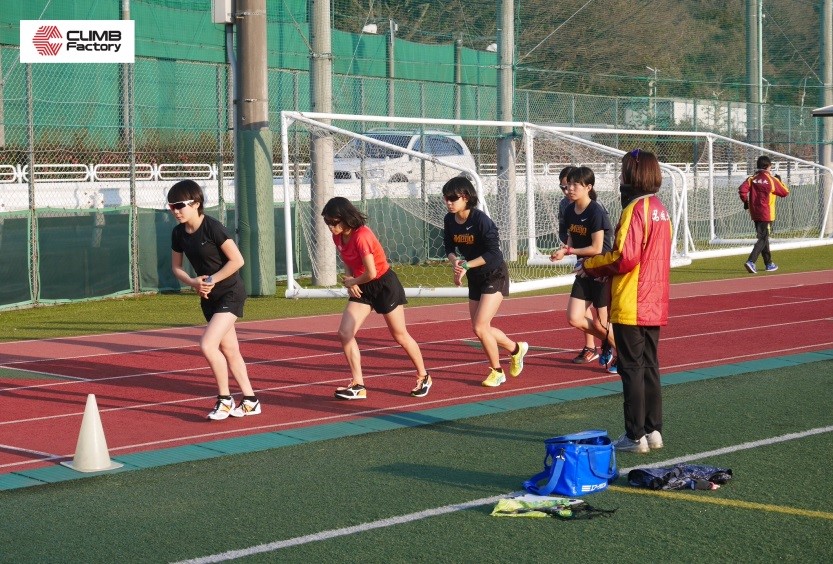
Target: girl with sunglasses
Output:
[
  {"x": 475, "y": 235},
  {"x": 216, "y": 259},
  {"x": 371, "y": 285}
]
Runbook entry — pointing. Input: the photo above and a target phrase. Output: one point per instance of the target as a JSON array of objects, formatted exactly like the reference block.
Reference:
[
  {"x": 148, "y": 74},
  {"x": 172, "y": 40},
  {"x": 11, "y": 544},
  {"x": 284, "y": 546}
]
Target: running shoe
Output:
[
  {"x": 654, "y": 439},
  {"x": 771, "y": 267},
  {"x": 613, "y": 367},
  {"x": 424, "y": 384},
  {"x": 222, "y": 409},
  {"x": 516, "y": 361},
  {"x": 246, "y": 407},
  {"x": 626, "y": 444},
  {"x": 352, "y": 392},
  {"x": 494, "y": 379},
  {"x": 750, "y": 267},
  {"x": 607, "y": 355},
  {"x": 586, "y": 355}
]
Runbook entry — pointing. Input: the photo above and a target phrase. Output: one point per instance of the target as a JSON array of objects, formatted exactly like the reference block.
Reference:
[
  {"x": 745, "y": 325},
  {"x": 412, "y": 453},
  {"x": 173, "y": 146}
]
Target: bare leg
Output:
[
  {"x": 221, "y": 349},
  {"x": 491, "y": 338},
  {"x": 351, "y": 321},
  {"x": 399, "y": 331}
]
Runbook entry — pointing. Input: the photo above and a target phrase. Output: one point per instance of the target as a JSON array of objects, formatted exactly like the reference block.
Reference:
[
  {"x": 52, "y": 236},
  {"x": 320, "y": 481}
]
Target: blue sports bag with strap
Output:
[{"x": 576, "y": 465}]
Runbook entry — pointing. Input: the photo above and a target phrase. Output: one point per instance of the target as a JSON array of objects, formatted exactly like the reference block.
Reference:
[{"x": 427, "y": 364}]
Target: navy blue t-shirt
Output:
[{"x": 477, "y": 237}]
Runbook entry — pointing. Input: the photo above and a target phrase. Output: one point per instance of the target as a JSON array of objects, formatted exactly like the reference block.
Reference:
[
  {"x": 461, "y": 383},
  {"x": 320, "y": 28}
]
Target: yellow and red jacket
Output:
[
  {"x": 639, "y": 264},
  {"x": 759, "y": 192}
]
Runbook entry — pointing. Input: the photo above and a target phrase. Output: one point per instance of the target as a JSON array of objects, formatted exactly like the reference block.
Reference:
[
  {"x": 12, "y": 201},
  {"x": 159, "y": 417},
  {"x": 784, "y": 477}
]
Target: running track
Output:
[{"x": 153, "y": 388}]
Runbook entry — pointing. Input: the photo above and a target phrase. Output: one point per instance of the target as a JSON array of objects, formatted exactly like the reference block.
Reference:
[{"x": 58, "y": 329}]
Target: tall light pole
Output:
[{"x": 652, "y": 93}]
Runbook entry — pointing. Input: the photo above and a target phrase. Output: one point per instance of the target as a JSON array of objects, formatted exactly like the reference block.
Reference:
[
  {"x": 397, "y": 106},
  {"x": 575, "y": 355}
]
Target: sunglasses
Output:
[
  {"x": 331, "y": 221},
  {"x": 179, "y": 205},
  {"x": 563, "y": 187},
  {"x": 451, "y": 197}
]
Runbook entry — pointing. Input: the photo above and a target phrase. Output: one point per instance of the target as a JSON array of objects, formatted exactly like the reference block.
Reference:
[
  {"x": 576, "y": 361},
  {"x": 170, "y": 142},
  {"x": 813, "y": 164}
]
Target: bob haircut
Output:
[
  {"x": 584, "y": 175},
  {"x": 763, "y": 162},
  {"x": 187, "y": 190},
  {"x": 461, "y": 186},
  {"x": 343, "y": 210},
  {"x": 640, "y": 171}
]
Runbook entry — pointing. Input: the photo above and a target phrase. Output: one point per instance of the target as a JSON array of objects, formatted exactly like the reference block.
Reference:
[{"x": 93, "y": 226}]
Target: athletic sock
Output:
[
  {"x": 250, "y": 398},
  {"x": 517, "y": 349}
]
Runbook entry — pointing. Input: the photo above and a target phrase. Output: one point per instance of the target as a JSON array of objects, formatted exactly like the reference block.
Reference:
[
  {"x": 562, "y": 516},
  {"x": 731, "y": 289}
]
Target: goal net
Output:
[{"x": 393, "y": 170}]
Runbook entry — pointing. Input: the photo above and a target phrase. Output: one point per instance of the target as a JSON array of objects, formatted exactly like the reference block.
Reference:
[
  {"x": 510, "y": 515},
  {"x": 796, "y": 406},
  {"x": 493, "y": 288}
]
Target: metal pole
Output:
[
  {"x": 458, "y": 78},
  {"x": 124, "y": 69},
  {"x": 753, "y": 80},
  {"x": 321, "y": 145},
  {"x": 34, "y": 264},
  {"x": 826, "y": 145},
  {"x": 255, "y": 200}
]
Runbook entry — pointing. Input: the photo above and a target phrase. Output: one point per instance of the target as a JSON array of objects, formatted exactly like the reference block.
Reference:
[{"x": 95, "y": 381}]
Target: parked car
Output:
[{"x": 359, "y": 158}]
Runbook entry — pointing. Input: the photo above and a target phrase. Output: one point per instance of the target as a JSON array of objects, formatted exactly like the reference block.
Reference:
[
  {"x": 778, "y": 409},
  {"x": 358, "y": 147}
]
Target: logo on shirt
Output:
[
  {"x": 464, "y": 238},
  {"x": 658, "y": 215},
  {"x": 578, "y": 229}
]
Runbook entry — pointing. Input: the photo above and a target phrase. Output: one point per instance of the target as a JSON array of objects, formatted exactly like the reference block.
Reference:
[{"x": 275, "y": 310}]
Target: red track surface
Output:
[{"x": 153, "y": 388}]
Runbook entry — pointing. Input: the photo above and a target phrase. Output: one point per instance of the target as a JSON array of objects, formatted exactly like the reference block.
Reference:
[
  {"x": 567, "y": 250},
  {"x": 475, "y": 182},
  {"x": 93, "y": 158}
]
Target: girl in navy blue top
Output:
[{"x": 473, "y": 234}]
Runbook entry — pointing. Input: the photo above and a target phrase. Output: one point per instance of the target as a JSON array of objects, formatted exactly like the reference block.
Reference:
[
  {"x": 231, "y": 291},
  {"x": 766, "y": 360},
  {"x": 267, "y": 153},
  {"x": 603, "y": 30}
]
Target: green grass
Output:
[
  {"x": 200, "y": 508},
  {"x": 172, "y": 310}
]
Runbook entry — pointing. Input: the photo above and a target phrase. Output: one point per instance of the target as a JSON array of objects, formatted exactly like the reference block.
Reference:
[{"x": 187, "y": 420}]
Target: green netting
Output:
[
  {"x": 83, "y": 254},
  {"x": 14, "y": 268}
]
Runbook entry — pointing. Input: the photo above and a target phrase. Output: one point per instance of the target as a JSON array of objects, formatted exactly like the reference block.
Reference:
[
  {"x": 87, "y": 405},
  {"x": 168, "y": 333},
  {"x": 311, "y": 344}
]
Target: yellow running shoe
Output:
[
  {"x": 516, "y": 361},
  {"x": 494, "y": 379}
]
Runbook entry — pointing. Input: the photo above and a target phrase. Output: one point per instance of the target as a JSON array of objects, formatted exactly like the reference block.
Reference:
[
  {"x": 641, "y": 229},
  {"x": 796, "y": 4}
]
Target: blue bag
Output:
[{"x": 576, "y": 465}]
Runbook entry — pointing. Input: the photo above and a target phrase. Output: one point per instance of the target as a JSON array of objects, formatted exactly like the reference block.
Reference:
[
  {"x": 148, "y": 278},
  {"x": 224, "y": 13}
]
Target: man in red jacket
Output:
[{"x": 758, "y": 194}]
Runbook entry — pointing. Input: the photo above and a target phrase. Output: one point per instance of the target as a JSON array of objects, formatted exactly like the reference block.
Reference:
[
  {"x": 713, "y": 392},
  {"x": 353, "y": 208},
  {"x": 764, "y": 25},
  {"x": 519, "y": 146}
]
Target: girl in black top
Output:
[
  {"x": 217, "y": 261},
  {"x": 475, "y": 235},
  {"x": 589, "y": 233}
]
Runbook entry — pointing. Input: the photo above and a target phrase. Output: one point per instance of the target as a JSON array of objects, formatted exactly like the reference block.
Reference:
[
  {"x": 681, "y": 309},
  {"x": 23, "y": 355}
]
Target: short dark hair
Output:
[
  {"x": 640, "y": 171},
  {"x": 763, "y": 162},
  {"x": 343, "y": 210},
  {"x": 584, "y": 175},
  {"x": 187, "y": 190},
  {"x": 462, "y": 186}
]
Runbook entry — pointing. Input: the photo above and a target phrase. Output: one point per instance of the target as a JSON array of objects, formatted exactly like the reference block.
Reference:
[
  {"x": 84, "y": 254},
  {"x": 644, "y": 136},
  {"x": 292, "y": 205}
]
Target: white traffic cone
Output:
[{"x": 91, "y": 454}]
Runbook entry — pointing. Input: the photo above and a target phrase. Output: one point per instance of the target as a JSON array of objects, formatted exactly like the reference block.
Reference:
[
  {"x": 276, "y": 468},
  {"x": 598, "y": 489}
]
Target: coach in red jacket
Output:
[
  {"x": 639, "y": 265},
  {"x": 758, "y": 194}
]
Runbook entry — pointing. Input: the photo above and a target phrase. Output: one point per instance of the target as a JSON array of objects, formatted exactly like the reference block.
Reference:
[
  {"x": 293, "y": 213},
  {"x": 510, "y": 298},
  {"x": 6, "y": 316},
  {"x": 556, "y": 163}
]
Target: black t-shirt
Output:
[
  {"x": 202, "y": 247},
  {"x": 581, "y": 226},
  {"x": 477, "y": 237}
]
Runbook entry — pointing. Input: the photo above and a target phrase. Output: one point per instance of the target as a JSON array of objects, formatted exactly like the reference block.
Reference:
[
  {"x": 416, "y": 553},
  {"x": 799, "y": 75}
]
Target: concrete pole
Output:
[
  {"x": 458, "y": 78},
  {"x": 321, "y": 143},
  {"x": 506, "y": 155},
  {"x": 254, "y": 186},
  {"x": 826, "y": 146}
]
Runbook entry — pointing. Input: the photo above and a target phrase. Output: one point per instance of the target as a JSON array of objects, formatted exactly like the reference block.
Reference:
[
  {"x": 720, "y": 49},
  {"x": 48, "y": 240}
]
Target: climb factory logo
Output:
[{"x": 77, "y": 41}]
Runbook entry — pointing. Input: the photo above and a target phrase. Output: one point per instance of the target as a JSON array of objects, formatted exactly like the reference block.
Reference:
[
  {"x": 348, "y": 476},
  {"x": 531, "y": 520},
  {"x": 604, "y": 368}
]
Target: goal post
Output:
[{"x": 394, "y": 168}]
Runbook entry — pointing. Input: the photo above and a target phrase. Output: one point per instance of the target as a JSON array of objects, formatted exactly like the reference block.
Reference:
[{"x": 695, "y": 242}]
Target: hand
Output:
[
  {"x": 204, "y": 286},
  {"x": 746, "y": 205},
  {"x": 353, "y": 289},
  {"x": 459, "y": 272},
  {"x": 558, "y": 254}
]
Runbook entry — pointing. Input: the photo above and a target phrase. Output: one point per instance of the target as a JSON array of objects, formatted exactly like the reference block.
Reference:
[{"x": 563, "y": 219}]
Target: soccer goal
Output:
[{"x": 393, "y": 169}]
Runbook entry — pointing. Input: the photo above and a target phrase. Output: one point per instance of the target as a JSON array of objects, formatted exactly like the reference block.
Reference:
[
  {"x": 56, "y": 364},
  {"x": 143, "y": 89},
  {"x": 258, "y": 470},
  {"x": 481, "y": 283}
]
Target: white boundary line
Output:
[{"x": 419, "y": 515}]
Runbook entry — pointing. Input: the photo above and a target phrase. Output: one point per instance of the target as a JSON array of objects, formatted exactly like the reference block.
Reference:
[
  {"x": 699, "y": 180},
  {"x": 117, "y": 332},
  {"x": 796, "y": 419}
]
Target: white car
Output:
[{"x": 361, "y": 159}]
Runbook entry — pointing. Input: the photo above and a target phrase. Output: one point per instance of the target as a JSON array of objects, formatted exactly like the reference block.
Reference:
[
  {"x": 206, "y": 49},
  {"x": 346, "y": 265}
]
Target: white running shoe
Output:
[
  {"x": 654, "y": 439},
  {"x": 246, "y": 407},
  {"x": 222, "y": 409}
]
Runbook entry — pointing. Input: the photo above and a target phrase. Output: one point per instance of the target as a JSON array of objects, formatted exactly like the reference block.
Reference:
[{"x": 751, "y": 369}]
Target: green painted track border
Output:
[{"x": 265, "y": 441}]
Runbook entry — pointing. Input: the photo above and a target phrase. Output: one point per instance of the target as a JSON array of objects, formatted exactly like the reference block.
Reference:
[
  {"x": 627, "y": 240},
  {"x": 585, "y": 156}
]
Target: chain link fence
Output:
[{"x": 88, "y": 152}]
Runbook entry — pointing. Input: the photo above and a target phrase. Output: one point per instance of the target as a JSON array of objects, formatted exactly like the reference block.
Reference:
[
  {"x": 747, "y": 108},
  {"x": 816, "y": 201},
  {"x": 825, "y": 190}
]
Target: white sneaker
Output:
[
  {"x": 222, "y": 409},
  {"x": 625, "y": 444},
  {"x": 654, "y": 439},
  {"x": 246, "y": 407}
]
